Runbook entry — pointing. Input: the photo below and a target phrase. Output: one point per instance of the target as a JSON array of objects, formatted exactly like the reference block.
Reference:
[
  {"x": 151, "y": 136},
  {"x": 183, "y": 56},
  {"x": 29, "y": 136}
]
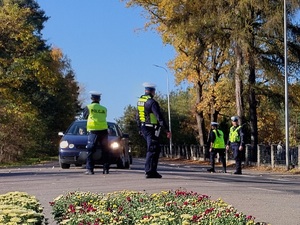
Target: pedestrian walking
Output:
[
  {"x": 236, "y": 143},
  {"x": 150, "y": 120},
  {"x": 217, "y": 146},
  {"x": 97, "y": 133}
]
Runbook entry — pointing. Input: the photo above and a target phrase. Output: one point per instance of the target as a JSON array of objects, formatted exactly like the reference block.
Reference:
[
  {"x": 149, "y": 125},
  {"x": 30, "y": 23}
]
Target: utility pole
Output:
[{"x": 169, "y": 110}]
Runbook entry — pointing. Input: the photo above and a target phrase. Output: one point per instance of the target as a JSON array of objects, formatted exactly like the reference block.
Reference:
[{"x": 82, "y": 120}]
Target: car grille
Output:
[{"x": 81, "y": 146}]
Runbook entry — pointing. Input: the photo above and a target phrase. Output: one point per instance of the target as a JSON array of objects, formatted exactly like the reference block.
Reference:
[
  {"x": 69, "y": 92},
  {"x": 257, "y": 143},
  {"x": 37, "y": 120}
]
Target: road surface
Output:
[{"x": 269, "y": 197}]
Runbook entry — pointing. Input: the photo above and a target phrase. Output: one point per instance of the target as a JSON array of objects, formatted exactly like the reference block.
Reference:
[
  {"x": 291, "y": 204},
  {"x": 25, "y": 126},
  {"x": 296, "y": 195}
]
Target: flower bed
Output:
[
  {"x": 20, "y": 208},
  {"x": 129, "y": 207}
]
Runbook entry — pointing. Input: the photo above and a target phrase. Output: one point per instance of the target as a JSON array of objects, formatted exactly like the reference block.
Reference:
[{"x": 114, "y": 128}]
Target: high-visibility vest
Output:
[
  {"x": 97, "y": 117},
  {"x": 234, "y": 134},
  {"x": 150, "y": 118},
  {"x": 219, "y": 141}
]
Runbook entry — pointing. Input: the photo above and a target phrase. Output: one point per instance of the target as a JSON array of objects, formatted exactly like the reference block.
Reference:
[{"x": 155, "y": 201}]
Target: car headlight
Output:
[
  {"x": 114, "y": 145},
  {"x": 65, "y": 144}
]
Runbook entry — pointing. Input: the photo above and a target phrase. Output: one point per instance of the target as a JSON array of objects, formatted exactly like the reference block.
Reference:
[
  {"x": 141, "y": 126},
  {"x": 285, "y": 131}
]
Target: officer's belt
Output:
[{"x": 149, "y": 125}]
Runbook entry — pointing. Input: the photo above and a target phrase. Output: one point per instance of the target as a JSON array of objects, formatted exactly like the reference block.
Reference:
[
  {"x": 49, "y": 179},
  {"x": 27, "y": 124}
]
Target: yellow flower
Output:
[
  {"x": 57, "y": 198},
  {"x": 15, "y": 219},
  {"x": 156, "y": 214},
  {"x": 32, "y": 221},
  {"x": 186, "y": 216}
]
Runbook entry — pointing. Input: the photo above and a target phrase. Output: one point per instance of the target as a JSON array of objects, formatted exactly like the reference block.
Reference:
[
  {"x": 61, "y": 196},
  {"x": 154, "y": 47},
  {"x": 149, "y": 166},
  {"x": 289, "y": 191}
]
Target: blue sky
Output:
[{"x": 107, "y": 52}]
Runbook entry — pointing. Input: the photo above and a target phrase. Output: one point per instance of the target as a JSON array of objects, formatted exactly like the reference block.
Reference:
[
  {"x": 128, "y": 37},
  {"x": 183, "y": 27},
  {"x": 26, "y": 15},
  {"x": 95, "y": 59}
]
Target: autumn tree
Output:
[
  {"x": 37, "y": 84},
  {"x": 248, "y": 34}
]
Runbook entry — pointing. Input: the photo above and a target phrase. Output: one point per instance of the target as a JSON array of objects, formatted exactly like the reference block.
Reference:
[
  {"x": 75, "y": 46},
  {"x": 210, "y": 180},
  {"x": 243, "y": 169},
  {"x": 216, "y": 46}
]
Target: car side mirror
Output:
[{"x": 60, "y": 134}]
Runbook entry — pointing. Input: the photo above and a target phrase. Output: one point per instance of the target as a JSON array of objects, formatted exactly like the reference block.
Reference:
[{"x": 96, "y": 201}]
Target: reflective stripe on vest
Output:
[
  {"x": 219, "y": 141},
  {"x": 141, "y": 109},
  {"x": 97, "y": 117},
  {"x": 234, "y": 134}
]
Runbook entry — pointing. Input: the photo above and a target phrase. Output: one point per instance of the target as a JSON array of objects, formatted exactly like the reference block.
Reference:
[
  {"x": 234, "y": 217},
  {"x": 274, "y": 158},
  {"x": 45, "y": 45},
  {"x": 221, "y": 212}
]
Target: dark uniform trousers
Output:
[
  {"x": 153, "y": 150},
  {"x": 213, "y": 154},
  {"x": 98, "y": 138},
  {"x": 237, "y": 155}
]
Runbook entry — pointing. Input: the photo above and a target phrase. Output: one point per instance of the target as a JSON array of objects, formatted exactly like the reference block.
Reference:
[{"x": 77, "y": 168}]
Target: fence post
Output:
[
  {"x": 178, "y": 152},
  {"x": 298, "y": 157},
  {"x": 226, "y": 155},
  {"x": 247, "y": 155},
  {"x": 259, "y": 149},
  {"x": 273, "y": 156},
  {"x": 201, "y": 153}
]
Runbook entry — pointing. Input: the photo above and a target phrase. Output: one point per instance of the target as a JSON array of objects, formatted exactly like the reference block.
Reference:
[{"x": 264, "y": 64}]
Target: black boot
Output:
[
  {"x": 106, "y": 168},
  {"x": 212, "y": 170}
]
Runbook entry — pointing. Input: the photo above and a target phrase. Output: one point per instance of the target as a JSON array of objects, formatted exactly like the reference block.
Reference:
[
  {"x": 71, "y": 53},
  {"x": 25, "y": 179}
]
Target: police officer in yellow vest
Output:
[
  {"x": 149, "y": 120},
  {"x": 97, "y": 133},
  {"x": 217, "y": 146},
  {"x": 236, "y": 142}
]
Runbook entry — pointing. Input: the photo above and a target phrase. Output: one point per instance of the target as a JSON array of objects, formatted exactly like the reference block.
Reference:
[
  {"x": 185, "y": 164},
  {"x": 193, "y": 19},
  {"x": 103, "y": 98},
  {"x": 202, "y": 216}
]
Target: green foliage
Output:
[
  {"x": 128, "y": 125},
  {"x": 37, "y": 85}
]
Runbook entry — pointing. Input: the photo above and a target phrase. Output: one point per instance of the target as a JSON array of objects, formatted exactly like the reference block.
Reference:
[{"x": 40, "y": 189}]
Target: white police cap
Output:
[
  {"x": 234, "y": 118},
  {"x": 214, "y": 123},
  {"x": 95, "y": 94},
  {"x": 149, "y": 85}
]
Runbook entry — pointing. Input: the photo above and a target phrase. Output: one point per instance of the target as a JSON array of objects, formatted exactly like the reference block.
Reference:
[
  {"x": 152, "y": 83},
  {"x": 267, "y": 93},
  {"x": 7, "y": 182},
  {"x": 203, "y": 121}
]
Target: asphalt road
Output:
[{"x": 269, "y": 197}]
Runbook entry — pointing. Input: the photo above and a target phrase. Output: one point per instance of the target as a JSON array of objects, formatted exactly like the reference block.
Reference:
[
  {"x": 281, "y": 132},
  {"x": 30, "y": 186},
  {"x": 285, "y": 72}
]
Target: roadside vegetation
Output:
[
  {"x": 129, "y": 207},
  {"x": 20, "y": 208}
]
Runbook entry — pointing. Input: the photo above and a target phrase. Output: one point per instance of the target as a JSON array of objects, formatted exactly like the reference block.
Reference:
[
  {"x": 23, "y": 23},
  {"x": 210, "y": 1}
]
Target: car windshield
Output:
[{"x": 79, "y": 128}]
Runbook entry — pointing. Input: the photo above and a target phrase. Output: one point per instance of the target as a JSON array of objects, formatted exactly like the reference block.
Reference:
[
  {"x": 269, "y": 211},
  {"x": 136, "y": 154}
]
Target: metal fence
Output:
[{"x": 265, "y": 155}]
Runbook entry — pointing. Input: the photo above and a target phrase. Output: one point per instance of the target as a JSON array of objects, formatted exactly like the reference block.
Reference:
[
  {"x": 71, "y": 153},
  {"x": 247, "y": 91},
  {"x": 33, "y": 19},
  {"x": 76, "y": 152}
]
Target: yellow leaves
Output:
[{"x": 56, "y": 54}]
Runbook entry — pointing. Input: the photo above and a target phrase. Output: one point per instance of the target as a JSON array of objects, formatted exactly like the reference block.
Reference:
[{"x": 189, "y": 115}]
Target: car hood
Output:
[{"x": 82, "y": 139}]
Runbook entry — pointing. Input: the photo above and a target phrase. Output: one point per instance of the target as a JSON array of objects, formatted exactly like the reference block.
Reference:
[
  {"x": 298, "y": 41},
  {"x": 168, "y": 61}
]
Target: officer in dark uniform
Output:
[
  {"x": 97, "y": 133},
  {"x": 150, "y": 120},
  {"x": 236, "y": 142},
  {"x": 217, "y": 146}
]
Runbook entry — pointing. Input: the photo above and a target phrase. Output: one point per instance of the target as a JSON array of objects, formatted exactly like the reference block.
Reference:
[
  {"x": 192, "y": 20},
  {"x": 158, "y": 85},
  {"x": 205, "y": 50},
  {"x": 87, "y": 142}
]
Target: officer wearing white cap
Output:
[
  {"x": 217, "y": 146},
  {"x": 97, "y": 132},
  {"x": 149, "y": 120},
  {"x": 236, "y": 142}
]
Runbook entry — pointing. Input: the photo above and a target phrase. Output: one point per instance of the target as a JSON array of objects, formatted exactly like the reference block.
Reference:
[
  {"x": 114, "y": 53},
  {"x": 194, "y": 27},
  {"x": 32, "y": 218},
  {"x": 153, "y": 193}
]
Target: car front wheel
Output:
[
  {"x": 123, "y": 162},
  {"x": 120, "y": 163},
  {"x": 65, "y": 166}
]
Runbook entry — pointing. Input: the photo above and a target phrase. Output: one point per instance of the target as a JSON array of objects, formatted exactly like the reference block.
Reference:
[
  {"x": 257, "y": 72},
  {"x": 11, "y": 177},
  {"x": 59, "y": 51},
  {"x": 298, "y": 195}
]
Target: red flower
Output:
[
  {"x": 207, "y": 211},
  {"x": 72, "y": 209}
]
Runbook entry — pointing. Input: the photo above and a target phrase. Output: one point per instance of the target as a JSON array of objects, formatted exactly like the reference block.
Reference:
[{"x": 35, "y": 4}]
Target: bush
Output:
[
  {"x": 129, "y": 207},
  {"x": 20, "y": 208}
]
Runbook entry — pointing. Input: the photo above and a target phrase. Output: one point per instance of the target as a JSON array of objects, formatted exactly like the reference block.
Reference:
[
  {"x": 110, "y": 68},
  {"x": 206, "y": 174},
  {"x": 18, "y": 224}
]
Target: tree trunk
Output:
[
  {"x": 252, "y": 105},
  {"x": 199, "y": 114},
  {"x": 238, "y": 82}
]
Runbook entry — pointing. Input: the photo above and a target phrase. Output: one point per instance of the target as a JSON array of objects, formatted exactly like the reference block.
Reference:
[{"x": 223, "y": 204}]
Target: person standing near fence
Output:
[
  {"x": 217, "y": 146},
  {"x": 149, "y": 120},
  {"x": 236, "y": 143}
]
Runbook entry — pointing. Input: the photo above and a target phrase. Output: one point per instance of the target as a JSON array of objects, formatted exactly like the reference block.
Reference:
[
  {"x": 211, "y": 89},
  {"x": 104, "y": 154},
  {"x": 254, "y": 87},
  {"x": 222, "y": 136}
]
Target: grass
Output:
[{"x": 29, "y": 161}]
